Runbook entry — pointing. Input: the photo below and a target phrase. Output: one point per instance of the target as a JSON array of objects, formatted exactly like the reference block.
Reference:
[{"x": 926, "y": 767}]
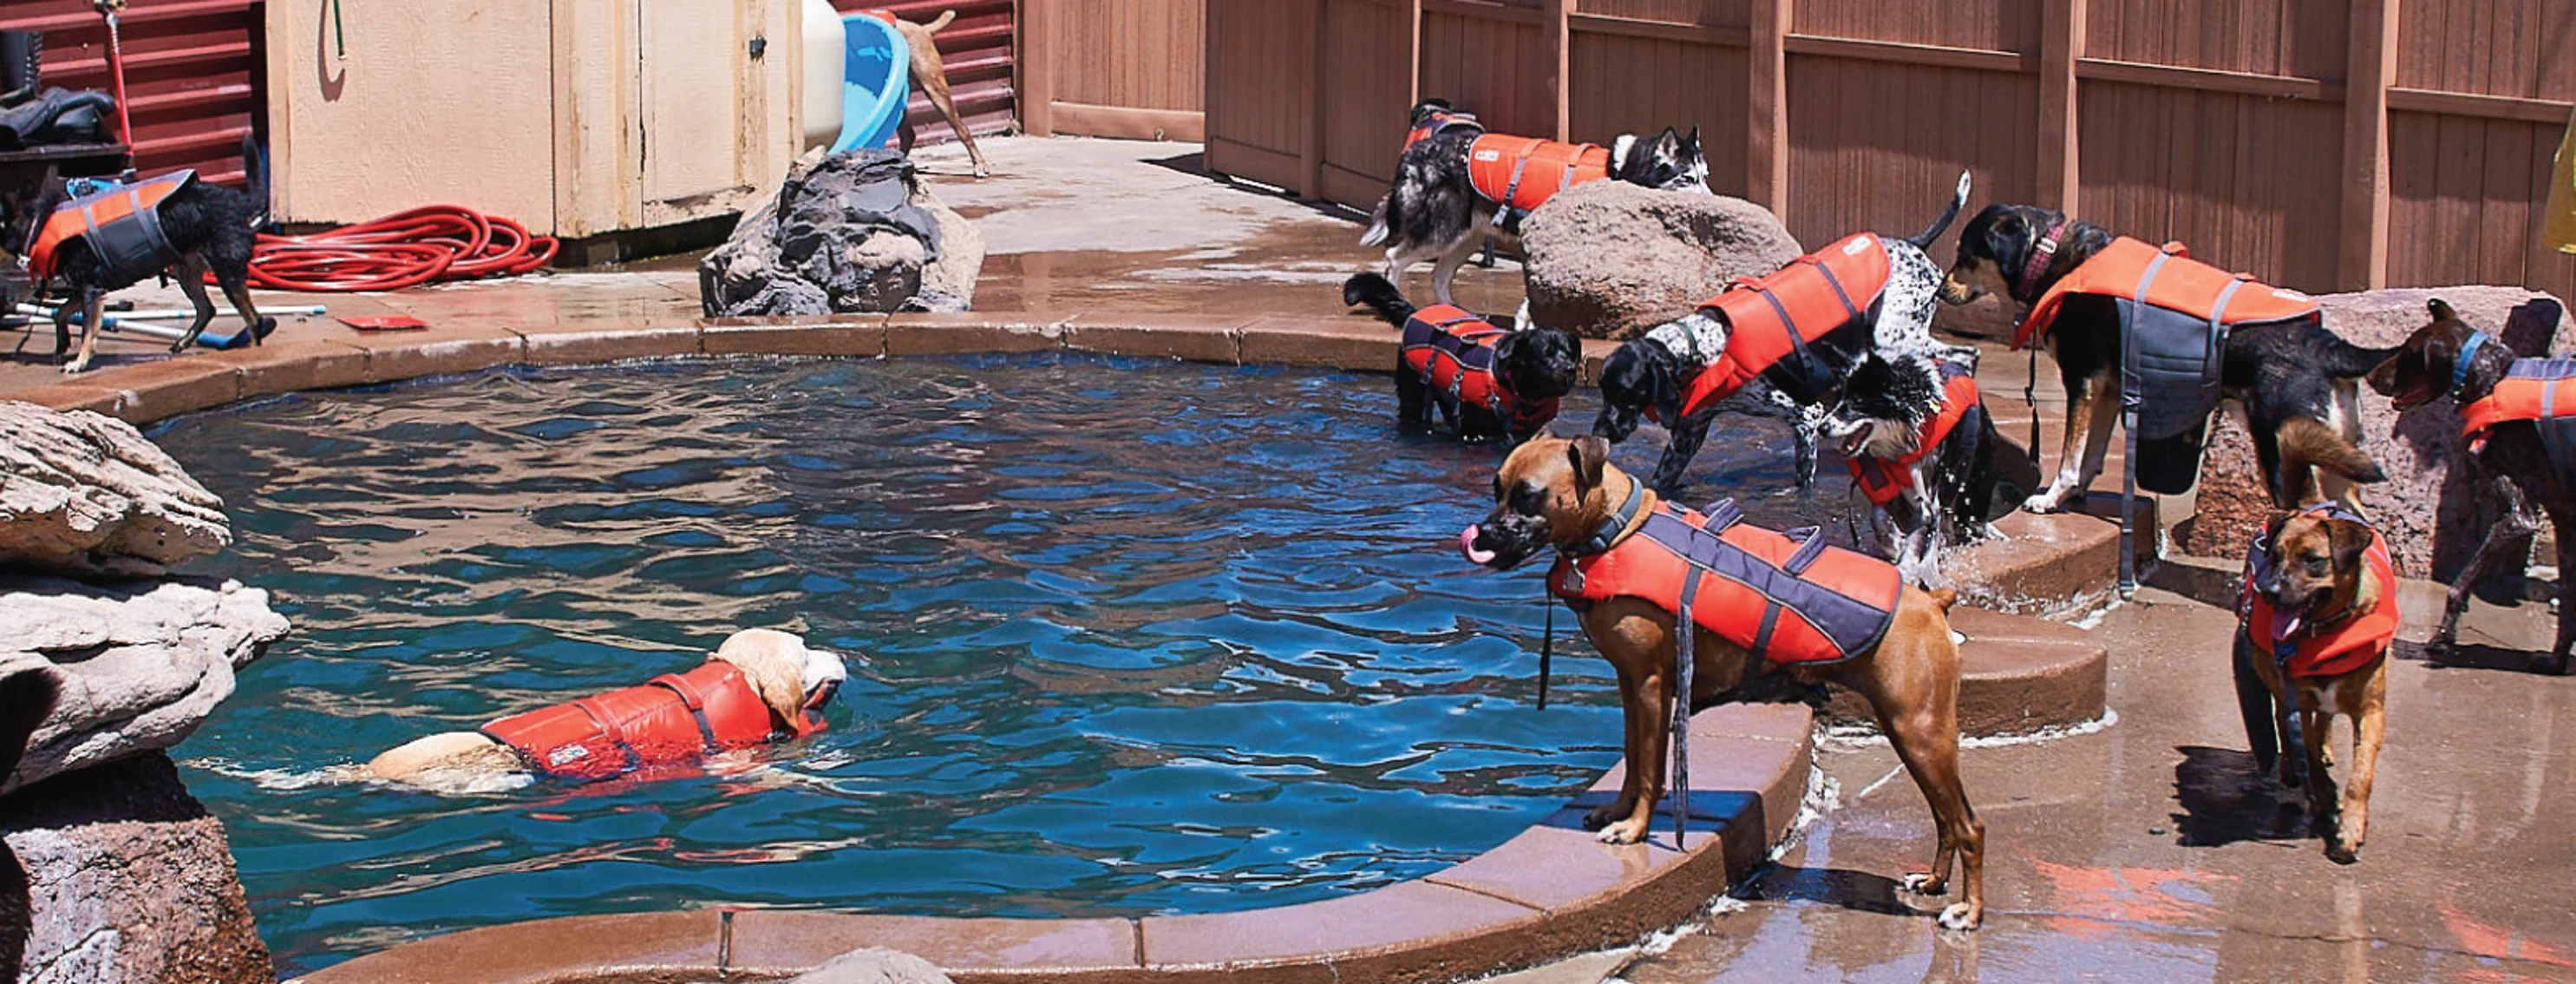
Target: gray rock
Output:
[
  {"x": 86, "y": 494},
  {"x": 2426, "y": 509},
  {"x": 1609, "y": 259},
  {"x": 845, "y": 233},
  {"x": 874, "y": 966},
  {"x": 140, "y": 663},
  {"x": 126, "y": 880}
]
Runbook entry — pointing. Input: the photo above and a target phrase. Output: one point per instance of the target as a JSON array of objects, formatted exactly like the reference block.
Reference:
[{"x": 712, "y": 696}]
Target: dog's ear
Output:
[
  {"x": 1587, "y": 454},
  {"x": 2009, "y": 240},
  {"x": 2350, "y": 540},
  {"x": 2441, "y": 310}
]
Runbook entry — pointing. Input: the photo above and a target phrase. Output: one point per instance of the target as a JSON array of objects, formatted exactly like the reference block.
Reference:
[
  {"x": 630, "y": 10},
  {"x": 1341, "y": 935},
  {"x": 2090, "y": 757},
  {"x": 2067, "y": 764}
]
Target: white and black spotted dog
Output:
[
  {"x": 1436, "y": 211},
  {"x": 1652, "y": 376},
  {"x": 1924, "y": 451}
]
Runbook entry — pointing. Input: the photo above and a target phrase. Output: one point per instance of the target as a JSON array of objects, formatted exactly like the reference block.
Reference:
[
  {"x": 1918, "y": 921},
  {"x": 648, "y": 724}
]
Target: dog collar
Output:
[
  {"x": 2460, "y": 363},
  {"x": 1609, "y": 530},
  {"x": 2041, "y": 253}
]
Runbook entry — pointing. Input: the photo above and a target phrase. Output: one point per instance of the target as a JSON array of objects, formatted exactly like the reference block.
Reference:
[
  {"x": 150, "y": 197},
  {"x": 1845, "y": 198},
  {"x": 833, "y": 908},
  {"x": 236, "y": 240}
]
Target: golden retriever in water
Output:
[{"x": 761, "y": 686}]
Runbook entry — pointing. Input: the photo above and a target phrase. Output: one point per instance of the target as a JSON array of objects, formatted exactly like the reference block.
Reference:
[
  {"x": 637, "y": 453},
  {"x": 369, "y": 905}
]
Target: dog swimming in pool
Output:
[{"x": 761, "y": 686}]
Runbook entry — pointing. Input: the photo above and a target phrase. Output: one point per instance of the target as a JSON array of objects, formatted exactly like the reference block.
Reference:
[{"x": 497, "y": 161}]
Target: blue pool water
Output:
[{"x": 1130, "y": 637}]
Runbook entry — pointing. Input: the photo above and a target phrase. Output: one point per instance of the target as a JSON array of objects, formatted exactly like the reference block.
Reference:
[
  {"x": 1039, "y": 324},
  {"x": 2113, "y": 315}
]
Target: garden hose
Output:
[{"x": 406, "y": 249}]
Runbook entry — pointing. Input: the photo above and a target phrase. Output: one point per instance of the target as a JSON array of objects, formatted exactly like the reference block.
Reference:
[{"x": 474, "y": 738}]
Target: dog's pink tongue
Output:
[
  {"x": 1467, "y": 547},
  {"x": 2284, "y": 625}
]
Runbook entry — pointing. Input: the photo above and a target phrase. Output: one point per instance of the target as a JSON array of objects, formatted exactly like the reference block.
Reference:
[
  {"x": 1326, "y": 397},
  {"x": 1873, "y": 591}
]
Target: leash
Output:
[
  {"x": 1546, "y": 642},
  {"x": 1680, "y": 786}
]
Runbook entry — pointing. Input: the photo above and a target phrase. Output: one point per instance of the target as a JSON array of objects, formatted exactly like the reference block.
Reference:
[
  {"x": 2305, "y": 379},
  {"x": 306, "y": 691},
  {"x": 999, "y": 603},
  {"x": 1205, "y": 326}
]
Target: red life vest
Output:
[
  {"x": 2168, "y": 278},
  {"x": 2534, "y": 390},
  {"x": 1454, "y": 352},
  {"x": 122, "y": 227},
  {"x": 2353, "y": 642},
  {"x": 1770, "y": 317},
  {"x": 1882, "y": 481},
  {"x": 1522, "y": 173},
  {"x": 1437, "y": 122},
  {"x": 1787, "y": 599},
  {"x": 676, "y": 718}
]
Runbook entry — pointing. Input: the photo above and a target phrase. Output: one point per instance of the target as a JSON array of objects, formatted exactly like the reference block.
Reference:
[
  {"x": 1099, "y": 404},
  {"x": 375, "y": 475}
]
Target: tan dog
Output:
[
  {"x": 1555, "y": 493},
  {"x": 2319, "y": 608},
  {"x": 762, "y": 685},
  {"x": 930, "y": 72}
]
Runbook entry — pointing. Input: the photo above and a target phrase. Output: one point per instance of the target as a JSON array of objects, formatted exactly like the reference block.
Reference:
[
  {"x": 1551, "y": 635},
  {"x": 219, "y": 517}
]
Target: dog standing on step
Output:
[
  {"x": 1928, "y": 459},
  {"x": 930, "y": 73},
  {"x": 1789, "y": 338},
  {"x": 1635, "y": 569},
  {"x": 2511, "y": 432},
  {"x": 1490, "y": 383},
  {"x": 1457, "y": 186},
  {"x": 173, "y": 225},
  {"x": 2318, "y": 612}
]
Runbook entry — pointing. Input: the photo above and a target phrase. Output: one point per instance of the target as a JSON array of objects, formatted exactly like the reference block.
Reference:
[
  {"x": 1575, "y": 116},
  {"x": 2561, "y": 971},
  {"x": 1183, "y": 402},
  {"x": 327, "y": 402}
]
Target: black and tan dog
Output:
[
  {"x": 2514, "y": 468},
  {"x": 2294, "y": 378},
  {"x": 1566, "y": 496},
  {"x": 2318, "y": 611},
  {"x": 172, "y": 224},
  {"x": 1489, "y": 382}
]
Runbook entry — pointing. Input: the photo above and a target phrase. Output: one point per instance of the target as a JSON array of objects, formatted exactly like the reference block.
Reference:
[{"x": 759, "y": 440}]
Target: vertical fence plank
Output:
[
  {"x": 2362, "y": 263},
  {"x": 1036, "y": 62},
  {"x": 2061, "y": 44},
  {"x": 1310, "y": 160},
  {"x": 1560, "y": 73},
  {"x": 1413, "y": 44},
  {"x": 1766, "y": 161}
]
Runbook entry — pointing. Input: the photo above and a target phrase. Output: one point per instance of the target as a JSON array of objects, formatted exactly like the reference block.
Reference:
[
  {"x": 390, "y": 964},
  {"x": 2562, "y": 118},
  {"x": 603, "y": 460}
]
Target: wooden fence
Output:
[
  {"x": 2324, "y": 144},
  {"x": 1114, "y": 68}
]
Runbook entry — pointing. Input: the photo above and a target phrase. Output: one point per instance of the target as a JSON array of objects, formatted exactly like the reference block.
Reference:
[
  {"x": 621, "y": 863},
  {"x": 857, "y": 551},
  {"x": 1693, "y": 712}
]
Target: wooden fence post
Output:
[
  {"x": 1413, "y": 52},
  {"x": 1560, "y": 41},
  {"x": 1037, "y": 67},
  {"x": 2061, "y": 137},
  {"x": 1310, "y": 155},
  {"x": 2363, "y": 261},
  {"x": 1766, "y": 161}
]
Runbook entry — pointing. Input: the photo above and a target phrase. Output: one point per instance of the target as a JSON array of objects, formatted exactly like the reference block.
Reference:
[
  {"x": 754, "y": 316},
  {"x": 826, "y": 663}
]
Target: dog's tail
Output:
[
  {"x": 255, "y": 174},
  {"x": 1375, "y": 292},
  {"x": 1958, "y": 200},
  {"x": 2307, "y": 442},
  {"x": 945, "y": 16},
  {"x": 2345, "y": 360},
  {"x": 1377, "y": 227}
]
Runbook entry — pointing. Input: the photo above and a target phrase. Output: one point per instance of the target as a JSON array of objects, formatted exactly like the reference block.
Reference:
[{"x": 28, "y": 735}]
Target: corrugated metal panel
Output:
[
  {"x": 192, "y": 73},
  {"x": 977, "y": 50}
]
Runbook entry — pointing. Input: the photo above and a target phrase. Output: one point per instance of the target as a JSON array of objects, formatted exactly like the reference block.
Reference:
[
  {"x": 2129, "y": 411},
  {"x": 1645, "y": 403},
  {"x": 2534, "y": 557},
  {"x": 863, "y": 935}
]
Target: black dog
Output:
[
  {"x": 203, "y": 227},
  {"x": 1489, "y": 382},
  {"x": 2294, "y": 377},
  {"x": 2513, "y": 465},
  {"x": 1438, "y": 211},
  {"x": 1653, "y": 376}
]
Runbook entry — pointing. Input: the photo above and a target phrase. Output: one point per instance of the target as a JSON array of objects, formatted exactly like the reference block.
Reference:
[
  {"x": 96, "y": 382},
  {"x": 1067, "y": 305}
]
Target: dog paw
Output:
[
  {"x": 2342, "y": 853},
  {"x": 1623, "y": 832},
  {"x": 2041, "y": 503},
  {"x": 1921, "y": 883},
  {"x": 1962, "y": 917},
  {"x": 75, "y": 367}
]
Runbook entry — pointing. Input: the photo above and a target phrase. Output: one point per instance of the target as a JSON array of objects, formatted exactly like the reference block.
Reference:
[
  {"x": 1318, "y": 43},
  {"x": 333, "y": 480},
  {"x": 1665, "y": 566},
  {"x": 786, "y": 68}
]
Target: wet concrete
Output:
[{"x": 2139, "y": 853}]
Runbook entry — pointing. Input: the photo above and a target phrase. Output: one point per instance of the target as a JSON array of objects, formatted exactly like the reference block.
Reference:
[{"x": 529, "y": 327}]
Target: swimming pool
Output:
[{"x": 1129, "y": 637}]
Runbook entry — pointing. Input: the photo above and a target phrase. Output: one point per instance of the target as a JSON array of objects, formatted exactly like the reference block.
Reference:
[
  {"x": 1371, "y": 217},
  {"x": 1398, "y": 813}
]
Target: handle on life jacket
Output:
[
  {"x": 1811, "y": 545},
  {"x": 1721, "y": 514},
  {"x": 693, "y": 699}
]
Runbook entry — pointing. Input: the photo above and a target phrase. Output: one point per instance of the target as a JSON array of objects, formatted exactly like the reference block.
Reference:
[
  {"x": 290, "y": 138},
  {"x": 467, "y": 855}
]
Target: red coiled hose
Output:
[{"x": 405, "y": 249}]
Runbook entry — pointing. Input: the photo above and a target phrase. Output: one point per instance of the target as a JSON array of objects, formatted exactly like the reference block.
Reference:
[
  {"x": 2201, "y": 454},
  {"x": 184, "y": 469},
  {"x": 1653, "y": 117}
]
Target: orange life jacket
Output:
[
  {"x": 121, "y": 226},
  {"x": 676, "y": 718},
  {"x": 1454, "y": 352},
  {"x": 1772, "y": 317},
  {"x": 2534, "y": 389},
  {"x": 1786, "y": 598},
  {"x": 1434, "y": 123},
  {"x": 1522, "y": 173},
  {"x": 1881, "y": 480},
  {"x": 2168, "y": 278},
  {"x": 2353, "y": 642}
]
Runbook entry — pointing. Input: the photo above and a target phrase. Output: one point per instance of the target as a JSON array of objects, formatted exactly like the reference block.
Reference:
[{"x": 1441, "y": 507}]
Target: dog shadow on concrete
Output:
[
  {"x": 2468, "y": 655},
  {"x": 2224, "y": 802}
]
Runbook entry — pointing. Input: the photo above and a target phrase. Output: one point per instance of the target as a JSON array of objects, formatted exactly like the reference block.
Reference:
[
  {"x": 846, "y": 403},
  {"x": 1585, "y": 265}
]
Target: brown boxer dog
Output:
[{"x": 1556, "y": 493}]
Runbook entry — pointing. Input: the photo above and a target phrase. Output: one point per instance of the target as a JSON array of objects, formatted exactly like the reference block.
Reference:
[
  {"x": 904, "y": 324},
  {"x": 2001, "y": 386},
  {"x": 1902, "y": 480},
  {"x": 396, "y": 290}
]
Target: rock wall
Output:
[
  {"x": 1608, "y": 259},
  {"x": 115, "y": 875},
  {"x": 2426, "y": 509},
  {"x": 838, "y": 237},
  {"x": 84, "y": 493}
]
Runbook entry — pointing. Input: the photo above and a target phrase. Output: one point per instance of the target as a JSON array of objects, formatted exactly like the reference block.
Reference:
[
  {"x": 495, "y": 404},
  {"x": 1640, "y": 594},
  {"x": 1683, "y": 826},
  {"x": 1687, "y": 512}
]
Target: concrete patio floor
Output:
[{"x": 2132, "y": 853}]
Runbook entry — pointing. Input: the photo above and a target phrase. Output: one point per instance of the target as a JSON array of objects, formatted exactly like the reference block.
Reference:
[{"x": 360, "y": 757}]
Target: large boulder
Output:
[
  {"x": 2426, "y": 509},
  {"x": 845, "y": 233},
  {"x": 115, "y": 875},
  {"x": 1609, "y": 259},
  {"x": 83, "y": 493},
  {"x": 140, "y": 663}
]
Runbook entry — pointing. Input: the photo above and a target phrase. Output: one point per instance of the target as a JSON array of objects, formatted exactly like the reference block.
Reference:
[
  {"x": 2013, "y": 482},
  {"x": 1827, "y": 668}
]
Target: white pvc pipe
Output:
[
  {"x": 123, "y": 323},
  {"x": 220, "y": 312}
]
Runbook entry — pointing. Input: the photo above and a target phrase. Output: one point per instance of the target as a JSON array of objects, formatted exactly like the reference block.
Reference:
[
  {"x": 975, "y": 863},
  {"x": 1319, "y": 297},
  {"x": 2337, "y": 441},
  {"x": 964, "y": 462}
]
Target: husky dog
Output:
[{"x": 1457, "y": 186}]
